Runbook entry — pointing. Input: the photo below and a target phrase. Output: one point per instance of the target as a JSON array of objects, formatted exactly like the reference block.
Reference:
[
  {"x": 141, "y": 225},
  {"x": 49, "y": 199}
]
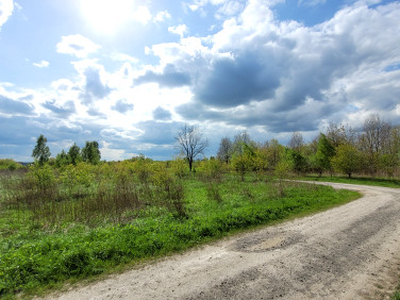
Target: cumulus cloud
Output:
[
  {"x": 76, "y": 45},
  {"x": 162, "y": 16},
  {"x": 117, "y": 56},
  {"x": 179, "y": 30},
  {"x": 161, "y": 114},
  {"x": 283, "y": 68},
  {"x": 142, "y": 14},
  {"x": 94, "y": 87},
  {"x": 170, "y": 77},
  {"x": 6, "y": 10},
  {"x": 12, "y": 107},
  {"x": 63, "y": 110},
  {"x": 122, "y": 106},
  {"x": 42, "y": 64}
]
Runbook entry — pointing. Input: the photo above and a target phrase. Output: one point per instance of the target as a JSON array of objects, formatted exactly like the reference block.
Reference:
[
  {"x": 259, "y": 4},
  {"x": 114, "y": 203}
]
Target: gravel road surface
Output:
[{"x": 349, "y": 252}]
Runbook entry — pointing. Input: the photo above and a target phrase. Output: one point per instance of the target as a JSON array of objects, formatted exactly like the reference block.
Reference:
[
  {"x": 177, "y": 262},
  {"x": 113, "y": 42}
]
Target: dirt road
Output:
[{"x": 349, "y": 252}]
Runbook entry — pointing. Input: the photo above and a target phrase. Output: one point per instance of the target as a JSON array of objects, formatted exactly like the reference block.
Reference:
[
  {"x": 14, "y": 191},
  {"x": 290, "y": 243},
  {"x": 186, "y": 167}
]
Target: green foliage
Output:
[
  {"x": 41, "y": 152},
  {"x": 91, "y": 152},
  {"x": 178, "y": 167},
  {"x": 212, "y": 169},
  {"x": 61, "y": 159},
  {"x": 347, "y": 159},
  {"x": 324, "y": 155},
  {"x": 10, "y": 164},
  {"x": 74, "y": 155},
  {"x": 35, "y": 259},
  {"x": 298, "y": 161}
]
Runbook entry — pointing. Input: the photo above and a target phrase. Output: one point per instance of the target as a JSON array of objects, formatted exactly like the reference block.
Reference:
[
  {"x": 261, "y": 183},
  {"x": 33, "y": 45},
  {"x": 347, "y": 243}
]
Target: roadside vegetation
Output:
[
  {"x": 74, "y": 216},
  {"x": 64, "y": 224}
]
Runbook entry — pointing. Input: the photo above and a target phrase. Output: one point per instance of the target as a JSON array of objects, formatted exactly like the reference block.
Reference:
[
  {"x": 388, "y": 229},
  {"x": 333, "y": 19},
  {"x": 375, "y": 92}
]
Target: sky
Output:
[{"x": 130, "y": 73}]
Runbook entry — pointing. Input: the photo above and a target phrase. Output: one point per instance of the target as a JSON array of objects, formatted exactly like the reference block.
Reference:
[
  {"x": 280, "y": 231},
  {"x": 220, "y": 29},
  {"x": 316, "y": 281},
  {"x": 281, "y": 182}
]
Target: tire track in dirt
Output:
[{"x": 349, "y": 252}]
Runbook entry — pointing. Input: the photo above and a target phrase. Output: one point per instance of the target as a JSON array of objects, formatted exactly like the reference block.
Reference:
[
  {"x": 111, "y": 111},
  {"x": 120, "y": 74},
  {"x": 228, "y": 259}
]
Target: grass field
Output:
[{"x": 39, "y": 251}]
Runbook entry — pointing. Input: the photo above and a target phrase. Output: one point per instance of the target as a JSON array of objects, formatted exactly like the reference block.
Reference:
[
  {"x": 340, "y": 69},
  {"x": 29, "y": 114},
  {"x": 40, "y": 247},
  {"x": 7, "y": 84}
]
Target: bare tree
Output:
[
  {"x": 296, "y": 142},
  {"x": 340, "y": 134},
  {"x": 375, "y": 141},
  {"x": 191, "y": 143},
  {"x": 225, "y": 150}
]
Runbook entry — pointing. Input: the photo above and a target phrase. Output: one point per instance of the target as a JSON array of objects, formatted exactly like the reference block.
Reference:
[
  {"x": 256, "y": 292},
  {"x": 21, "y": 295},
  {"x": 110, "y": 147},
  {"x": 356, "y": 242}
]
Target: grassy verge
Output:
[
  {"x": 35, "y": 259},
  {"x": 384, "y": 182}
]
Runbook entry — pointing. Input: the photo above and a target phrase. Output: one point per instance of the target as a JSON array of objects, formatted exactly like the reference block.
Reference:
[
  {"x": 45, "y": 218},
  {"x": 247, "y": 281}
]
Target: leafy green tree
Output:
[
  {"x": 325, "y": 152},
  {"x": 61, "y": 159},
  {"x": 299, "y": 162},
  {"x": 41, "y": 152},
  {"x": 348, "y": 159},
  {"x": 74, "y": 154},
  {"x": 91, "y": 152}
]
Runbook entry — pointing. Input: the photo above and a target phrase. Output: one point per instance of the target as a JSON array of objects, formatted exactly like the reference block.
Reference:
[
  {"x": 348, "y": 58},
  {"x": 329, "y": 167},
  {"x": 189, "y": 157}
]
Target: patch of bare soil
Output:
[{"x": 349, "y": 252}]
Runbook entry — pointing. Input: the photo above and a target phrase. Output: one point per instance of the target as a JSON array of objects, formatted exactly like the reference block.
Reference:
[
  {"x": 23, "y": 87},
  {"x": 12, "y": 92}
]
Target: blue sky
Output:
[{"x": 129, "y": 74}]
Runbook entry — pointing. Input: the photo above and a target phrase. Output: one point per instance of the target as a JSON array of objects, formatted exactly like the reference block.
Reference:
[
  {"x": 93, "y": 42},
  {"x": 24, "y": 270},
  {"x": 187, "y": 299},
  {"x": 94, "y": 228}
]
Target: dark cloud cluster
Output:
[
  {"x": 170, "y": 78},
  {"x": 10, "y": 106},
  {"x": 63, "y": 111},
  {"x": 234, "y": 81},
  {"x": 161, "y": 114},
  {"x": 302, "y": 76},
  {"x": 94, "y": 88},
  {"x": 122, "y": 106}
]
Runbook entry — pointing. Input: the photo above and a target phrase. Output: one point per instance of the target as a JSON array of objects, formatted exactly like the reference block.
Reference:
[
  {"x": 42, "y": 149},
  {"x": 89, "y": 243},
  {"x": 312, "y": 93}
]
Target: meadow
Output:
[{"x": 60, "y": 225}]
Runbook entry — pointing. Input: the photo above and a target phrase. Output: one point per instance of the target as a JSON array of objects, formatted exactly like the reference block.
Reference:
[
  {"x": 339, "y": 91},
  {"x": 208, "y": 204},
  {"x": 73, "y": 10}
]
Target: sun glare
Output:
[{"x": 107, "y": 16}]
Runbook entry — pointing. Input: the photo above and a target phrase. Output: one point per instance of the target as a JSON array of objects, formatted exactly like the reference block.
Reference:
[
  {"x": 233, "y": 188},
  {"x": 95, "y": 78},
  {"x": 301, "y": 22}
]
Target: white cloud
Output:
[
  {"x": 117, "y": 56},
  {"x": 161, "y": 16},
  {"x": 179, "y": 30},
  {"x": 198, "y": 4},
  {"x": 109, "y": 153},
  {"x": 335, "y": 70},
  {"x": 42, "y": 64},
  {"x": 142, "y": 14},
  {"x": 6, "y": 10},
  {"x": 76, "y": 45}
]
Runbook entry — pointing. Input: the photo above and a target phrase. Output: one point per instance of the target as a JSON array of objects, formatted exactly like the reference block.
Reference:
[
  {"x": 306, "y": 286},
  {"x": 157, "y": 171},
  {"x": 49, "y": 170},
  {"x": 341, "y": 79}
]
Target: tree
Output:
[
  {"x": 191, "y": 143},
  {"x": 62, "y": 159},
  {"x": 340, "y": 134},
  {"x": 374, "y": 142},
  {"x": 325, "y": 152},
  {"x": 41, "y": 152},
  {"x": 241, "y": 139},
  {"x": 74, "y": 154},
  {"x": 225, "y": 150},
  {"x": 296, "y": 141},
  {"x": 91, "y": 152},
  {"x": 347, "y": 159}
]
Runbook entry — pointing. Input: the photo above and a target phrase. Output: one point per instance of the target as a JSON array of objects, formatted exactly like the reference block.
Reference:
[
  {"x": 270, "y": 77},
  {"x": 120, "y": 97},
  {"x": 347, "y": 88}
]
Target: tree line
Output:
[
  {"x": 375, "y": 150},
  {"x": 90, "y": 153}
]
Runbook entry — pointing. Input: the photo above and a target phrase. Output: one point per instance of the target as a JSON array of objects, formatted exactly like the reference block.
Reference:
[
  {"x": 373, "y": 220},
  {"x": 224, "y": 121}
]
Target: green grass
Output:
[
  {"x": 35, "y": 259},
  {"x": 396, "y": 296},
  {"x": 384, "y": 182}
]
